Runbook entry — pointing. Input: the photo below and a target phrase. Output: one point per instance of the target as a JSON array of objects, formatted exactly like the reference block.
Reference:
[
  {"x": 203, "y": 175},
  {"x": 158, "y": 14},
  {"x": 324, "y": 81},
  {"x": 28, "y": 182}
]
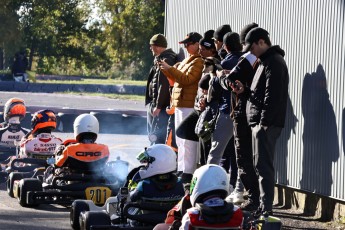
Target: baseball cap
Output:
[
  {"x": 191, "y": 37},
  {"x": 254, "y": 35}
]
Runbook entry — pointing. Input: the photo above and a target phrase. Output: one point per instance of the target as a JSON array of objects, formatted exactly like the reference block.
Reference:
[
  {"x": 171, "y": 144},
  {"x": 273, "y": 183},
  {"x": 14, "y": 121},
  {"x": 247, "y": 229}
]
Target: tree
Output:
[
  {"x": 10, "y": 35},
  {"x": 132, "y": 23}
]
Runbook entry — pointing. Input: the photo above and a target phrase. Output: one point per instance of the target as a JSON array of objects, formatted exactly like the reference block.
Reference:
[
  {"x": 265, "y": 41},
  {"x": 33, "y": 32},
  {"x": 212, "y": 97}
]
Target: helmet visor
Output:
[{"x": 143, "y": 157}]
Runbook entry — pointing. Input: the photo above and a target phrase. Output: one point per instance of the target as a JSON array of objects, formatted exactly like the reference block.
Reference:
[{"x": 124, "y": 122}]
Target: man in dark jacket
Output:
[
  {"x": 157, "y": 96},
  {"x": 266, "y": 108},
  {"x": 244, "y": 72}
]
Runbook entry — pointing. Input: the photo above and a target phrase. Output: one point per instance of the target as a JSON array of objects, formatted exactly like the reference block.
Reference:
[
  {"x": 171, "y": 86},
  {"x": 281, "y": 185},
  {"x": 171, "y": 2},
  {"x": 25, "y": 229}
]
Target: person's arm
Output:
[
  {"x": 189, "y": 77},
  {"x": 243, "y": 71}
]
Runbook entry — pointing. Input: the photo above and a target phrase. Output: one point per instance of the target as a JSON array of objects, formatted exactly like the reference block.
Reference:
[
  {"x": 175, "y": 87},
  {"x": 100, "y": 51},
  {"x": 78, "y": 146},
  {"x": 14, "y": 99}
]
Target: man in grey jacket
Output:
[
  {"x": 266, "y": 108},
  {"x": 157, "y": 97}
]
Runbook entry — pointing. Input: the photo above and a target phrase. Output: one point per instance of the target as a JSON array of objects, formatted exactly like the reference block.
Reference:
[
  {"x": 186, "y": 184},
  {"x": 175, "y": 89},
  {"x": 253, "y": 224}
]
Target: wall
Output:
[{"x": 310, "y": 151}]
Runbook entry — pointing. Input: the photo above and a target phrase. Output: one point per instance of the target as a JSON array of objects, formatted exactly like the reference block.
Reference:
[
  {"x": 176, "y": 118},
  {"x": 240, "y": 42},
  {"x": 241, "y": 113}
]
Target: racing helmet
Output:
[
  {"x": 43, "y": 119},
  {"x": 208, "y": 179},
  {"x": 14, "y": 107},
  {"x": 86, "y": 124},
  {"x": 159, "y": 159}
]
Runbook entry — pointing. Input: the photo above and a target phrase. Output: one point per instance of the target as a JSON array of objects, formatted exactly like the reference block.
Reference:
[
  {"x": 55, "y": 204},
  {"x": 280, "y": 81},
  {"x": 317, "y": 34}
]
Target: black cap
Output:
[
  {"x": 221, "y": 31},
  {"x": 232, "y": 41},
  {"x": 254, "y": 35},
  {"x": 207, "y": 42},
  {"x": 191, "y": 37},
  {"x": 245, "y": 30}
]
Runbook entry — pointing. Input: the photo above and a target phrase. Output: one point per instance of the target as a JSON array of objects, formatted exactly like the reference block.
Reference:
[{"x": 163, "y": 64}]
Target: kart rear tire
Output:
[
  {"x": 11, "y": 178},
  {"x": 26, "y": 185},
  {"x": 77, "y": 208},
  {"x": 93, "y": 218}
]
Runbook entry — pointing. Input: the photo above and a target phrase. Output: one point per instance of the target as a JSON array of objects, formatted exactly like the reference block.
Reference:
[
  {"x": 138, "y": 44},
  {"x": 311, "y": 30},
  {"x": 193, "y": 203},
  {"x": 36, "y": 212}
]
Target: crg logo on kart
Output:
[{"x": 88, "y": 154}]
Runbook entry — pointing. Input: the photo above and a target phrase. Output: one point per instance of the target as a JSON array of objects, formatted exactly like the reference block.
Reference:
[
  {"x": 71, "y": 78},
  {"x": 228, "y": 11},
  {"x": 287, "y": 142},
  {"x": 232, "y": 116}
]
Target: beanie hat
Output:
[
  {"x": 204, "y": 82},
  {"x": 221, "y": 31},
  {"x": 209, "y": 34},
  {"x": 245, "y": 30},
  {"x": 232, "y": 41},
  {"x": 159, "y": 40},
  {"x": 207, "y": 40}
]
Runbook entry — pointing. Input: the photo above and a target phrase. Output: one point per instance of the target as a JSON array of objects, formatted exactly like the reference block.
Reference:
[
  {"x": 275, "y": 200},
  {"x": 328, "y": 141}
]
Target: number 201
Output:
[{"x": 96, "y": 195}]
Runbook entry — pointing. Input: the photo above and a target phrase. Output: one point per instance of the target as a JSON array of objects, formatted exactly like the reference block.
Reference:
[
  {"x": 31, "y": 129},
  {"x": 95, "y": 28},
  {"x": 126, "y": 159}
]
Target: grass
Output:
[
  {"x": 110, "y": 95},
  {"x": 101, "y": 81}
]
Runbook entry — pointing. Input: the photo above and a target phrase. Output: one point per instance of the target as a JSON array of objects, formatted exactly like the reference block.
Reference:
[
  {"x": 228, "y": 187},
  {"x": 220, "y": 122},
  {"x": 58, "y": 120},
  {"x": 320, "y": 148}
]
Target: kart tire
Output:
[
  {"x": 78, "y": 207},
  {"x": 26, "y": 185},
  {"x": 93, "y": 218},
  {"x": 11, "y": 178}
]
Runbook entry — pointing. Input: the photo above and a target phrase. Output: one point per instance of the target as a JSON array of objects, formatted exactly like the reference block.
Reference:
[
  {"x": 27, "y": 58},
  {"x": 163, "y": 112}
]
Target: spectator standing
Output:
[
  {"x": 265, "y": 109},
  {"x": 157, "y": 97},
  {"x": 186, "y": 76},
  {"x": 218, "y": 39},
  {"x": 221, "y": 134},
  {"x": 244, "y": 72}
]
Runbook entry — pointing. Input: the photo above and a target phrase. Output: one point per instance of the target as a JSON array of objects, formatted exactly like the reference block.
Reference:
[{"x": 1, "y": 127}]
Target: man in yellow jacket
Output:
[{"x": 186, "y": 75}]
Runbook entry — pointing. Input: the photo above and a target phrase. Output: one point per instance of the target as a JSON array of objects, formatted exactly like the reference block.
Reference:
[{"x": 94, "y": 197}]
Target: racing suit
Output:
[
  {"x": 43, "y": 145},
  {"x": 11, "y": 133}
]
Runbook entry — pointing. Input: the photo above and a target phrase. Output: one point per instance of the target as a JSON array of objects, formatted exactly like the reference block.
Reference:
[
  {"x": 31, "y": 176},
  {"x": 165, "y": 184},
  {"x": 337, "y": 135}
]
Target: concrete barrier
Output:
[{"x": 12, "y": 86}]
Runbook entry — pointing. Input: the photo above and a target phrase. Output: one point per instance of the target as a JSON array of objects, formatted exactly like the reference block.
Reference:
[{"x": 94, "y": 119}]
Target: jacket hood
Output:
[
  {"x": 272, "y": 50},
  {"x": 168, "y": 53}
]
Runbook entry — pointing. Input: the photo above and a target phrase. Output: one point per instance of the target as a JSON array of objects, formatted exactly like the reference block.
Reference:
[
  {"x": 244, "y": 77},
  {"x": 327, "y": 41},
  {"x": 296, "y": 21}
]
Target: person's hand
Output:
[
  {"x": 156, "y": 112},
  {"x": 163, "y": 65},
  {"x": 223, "y": 72},
  {"x": 238, "y": 88}
]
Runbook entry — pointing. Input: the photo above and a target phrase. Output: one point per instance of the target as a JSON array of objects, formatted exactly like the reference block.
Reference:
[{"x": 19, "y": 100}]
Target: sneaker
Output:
[
  {"x": 249, "y": 206},
  {"x": 235, "y": 197}
]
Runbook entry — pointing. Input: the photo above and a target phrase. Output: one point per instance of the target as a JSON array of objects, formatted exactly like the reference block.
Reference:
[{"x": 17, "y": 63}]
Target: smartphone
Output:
[{"x": 233, "y": 83}]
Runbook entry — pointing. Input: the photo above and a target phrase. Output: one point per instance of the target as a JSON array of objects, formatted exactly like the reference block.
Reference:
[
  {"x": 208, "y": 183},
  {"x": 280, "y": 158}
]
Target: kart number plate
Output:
[{"x": 97, "y": 194}]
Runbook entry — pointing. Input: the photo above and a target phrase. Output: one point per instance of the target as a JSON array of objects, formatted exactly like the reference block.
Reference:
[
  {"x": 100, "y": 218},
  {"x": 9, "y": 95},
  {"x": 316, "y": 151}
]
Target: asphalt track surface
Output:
[{"x": 13, "y": 216}]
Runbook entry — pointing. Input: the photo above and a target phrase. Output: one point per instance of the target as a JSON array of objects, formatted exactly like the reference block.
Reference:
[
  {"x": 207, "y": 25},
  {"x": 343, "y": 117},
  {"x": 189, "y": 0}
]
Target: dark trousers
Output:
[
  {"x": 204, "y": 148},
  {"x": 264, "y": 142},
  {"x": 244, "y": 158},
  {"x": 157, "y": 125},
  {"x": 228, "y": 161}
]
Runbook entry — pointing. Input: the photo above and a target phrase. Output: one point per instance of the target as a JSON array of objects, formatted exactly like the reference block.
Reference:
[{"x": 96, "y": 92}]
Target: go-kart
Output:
[
  {"x": 6, "y": 153},
  {"x": 118, "y": 213},
  {"x": 66, "y": 184}
]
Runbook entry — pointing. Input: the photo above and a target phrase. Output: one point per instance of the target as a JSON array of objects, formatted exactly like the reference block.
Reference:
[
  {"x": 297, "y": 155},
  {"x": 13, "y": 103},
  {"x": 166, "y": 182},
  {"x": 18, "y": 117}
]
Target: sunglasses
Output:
[{"x": 188, "y": 44}]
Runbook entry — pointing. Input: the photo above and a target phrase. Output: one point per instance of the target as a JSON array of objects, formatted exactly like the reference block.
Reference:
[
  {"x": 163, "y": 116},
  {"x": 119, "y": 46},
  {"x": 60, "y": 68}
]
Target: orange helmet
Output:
[
  {"x": 14, "y": 107},
  {"x": 43, "y": 119}
]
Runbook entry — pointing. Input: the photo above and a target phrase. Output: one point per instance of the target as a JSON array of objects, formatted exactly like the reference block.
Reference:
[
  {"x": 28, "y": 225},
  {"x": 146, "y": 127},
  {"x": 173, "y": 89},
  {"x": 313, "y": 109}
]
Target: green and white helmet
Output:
[
  {"x": 206, "y": 180},
  {"x": 159, "y": 159}
]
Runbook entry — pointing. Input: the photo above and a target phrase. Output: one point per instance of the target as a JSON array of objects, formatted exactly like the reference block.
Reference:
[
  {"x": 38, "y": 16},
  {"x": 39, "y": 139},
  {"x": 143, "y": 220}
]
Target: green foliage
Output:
[{"x": 65, "y": 37}]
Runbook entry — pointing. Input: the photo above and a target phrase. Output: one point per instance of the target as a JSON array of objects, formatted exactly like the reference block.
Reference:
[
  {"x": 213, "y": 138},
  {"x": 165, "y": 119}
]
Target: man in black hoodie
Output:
[
  {"x": 157, "y": 97},
  {"x": 266, "y": 108}
]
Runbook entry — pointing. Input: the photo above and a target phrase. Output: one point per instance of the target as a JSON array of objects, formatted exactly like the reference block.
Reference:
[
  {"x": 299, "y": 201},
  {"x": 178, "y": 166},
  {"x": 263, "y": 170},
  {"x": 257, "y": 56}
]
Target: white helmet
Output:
[
  {"x": 85, "y": 123},
  {"x": 160, "y": 159},
  {"x": 208, "y": 178}
]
